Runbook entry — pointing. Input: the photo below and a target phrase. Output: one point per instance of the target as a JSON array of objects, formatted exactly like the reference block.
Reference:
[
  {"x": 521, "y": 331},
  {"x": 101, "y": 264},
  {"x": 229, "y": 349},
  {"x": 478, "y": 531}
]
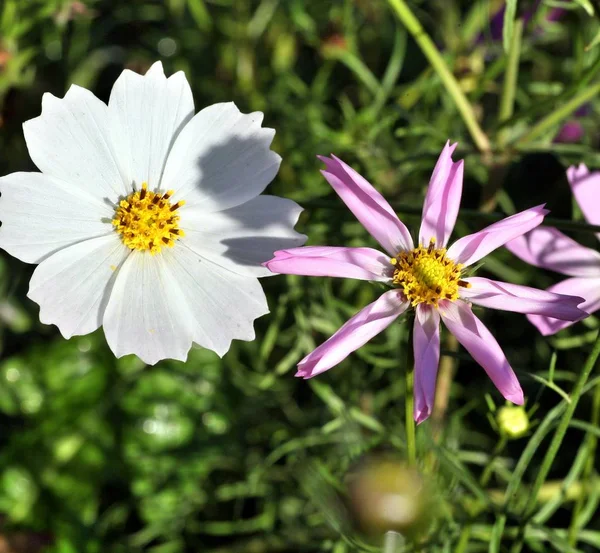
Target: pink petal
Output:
[
  {"x": 443, "y": 199},
  {"x": 522, "y": 299},
  {"x": 478, "y": 341},
  {"x": 473, "y": 247},
  {"x": 426, "y": 344},
  {"x": 355, "y": 333},
  {"x": 368, "y": 205},
  {"x": 588, "y": 288},
  {"x": 549, "y": 248},
  {"x": 360, "y": 263},
  {"x": 586, "y": 189}
]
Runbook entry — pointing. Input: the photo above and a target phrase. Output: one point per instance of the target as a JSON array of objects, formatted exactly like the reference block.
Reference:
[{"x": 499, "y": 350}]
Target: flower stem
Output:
[
  {"x": 563, "y": 425},
  {"x": 392, "y": 541},
  {"x": 434, "y": 56},
  {"x": 509, "y": 88}
]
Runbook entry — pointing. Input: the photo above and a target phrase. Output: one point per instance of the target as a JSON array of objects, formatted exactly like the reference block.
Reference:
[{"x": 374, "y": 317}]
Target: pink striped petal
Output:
[
  {"x": 586, "y": 189},
  {"x": 588, "y": 288},
  {"x": 367, "y": 323},
  {"x": 479, "y": 342},
  {"x": 360, "y": 263},
  {"x": 549, "y": 248},
  {"x": 426, "y": 344},
  {"x": 368, "y": 205},
  {"x": 443, "y": 199},
  {"x": 522, "y": 299},
  {"x": 473, "y": 247}
]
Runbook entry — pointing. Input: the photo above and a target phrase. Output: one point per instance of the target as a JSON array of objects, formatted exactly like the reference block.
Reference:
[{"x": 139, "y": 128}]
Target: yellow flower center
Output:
[
  {"x": 147, "y": 220},
  {"x": 426, "y": 275}
]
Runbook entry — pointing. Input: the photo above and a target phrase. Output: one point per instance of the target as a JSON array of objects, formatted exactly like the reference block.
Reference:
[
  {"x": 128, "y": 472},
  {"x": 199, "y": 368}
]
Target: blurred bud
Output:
[
  {"x": 513, "y": 421},
  {"x": 333, "y": 45},
  {"x": 386, "y": 494}
]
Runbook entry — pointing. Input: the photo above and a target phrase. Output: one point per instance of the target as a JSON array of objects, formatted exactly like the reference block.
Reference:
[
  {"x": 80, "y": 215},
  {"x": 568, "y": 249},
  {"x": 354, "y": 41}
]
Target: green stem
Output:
[
  {"x": 560, "y": 113},
  {"x": 563, "y": 425},
  {"x": 431, "y": 52},
  {"x": 509, "y": 89}
]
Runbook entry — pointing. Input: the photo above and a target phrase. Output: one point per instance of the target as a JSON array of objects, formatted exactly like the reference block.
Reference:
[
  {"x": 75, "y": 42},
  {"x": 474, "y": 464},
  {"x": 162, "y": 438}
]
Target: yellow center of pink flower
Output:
[
  {"x": 147, "y": 220},
  {"x": 426, "y": 275}
]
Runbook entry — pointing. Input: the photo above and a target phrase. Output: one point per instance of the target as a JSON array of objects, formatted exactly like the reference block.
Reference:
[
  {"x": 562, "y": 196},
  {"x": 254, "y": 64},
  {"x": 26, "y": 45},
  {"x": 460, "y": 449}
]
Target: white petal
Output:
[
  {"x": 242, "y": 238},
  {"x": 145, "y": 314},
  {"x": 222, "y": 304},
  {"x": 70, "y": 140},
  {"x": 73, "y": 285},
  {"x": 41, "y": 215},
  {"x": 147, "y": 113},
  {"x": 221, "y": 159},
  {"x": 161, "y": 303}
]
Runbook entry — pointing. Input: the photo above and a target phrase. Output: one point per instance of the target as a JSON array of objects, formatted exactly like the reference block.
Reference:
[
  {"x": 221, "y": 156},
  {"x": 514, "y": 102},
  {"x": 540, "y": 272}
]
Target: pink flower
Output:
[
  {"x": 550, "y": 249},
  {"x": 428, "y": 277}
]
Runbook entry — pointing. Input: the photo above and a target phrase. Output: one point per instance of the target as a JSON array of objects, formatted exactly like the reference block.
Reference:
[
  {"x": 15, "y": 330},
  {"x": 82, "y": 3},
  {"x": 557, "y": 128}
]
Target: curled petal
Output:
[
  {"x": 473, "y": 247},
  {"x": 355, "y": 333},
  {"x": 360, "y": 263},
  {"x": 368, "y": 205},
  {"x": 549, "y": 248},
  {"x": 586, "y": 188},
  {"x": 522, "y": 299},
  {"x": 443, "y": 199},
  {"x": 479, "y": 342},
  {"x": 588, "y": 288},
  {"x": 426, "y": 344}
]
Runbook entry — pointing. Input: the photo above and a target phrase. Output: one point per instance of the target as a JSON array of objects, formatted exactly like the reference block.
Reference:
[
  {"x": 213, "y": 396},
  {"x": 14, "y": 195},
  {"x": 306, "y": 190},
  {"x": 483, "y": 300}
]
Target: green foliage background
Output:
[{"x": 235, "y": 455}]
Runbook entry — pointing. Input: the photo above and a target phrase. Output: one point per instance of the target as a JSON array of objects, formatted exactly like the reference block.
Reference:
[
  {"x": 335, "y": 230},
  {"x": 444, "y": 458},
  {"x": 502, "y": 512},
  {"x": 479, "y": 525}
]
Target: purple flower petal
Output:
[
  {"x": 586, "y": 189},
  {"x": 368, "y": 205},
  {"x": 473, "y": 247},
  {"x": 355, "y": 333},
  {"x": 479, "y": 342},
  {"x": 426, "y": 344},
  {"x": 549, "y": 248},
  {"x": 360, "y": 263},
  {"x": 522, "y": 299},
  {"x": 442, "y": 200},
  {"x": 587, "y": 288}
]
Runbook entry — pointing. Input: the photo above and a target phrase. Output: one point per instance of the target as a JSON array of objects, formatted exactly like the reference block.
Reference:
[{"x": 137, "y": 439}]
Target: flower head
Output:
[
  {"x": 147, "y": 219},
  {"x": 549, "y": 248},
  {"x": 429, "y": 276}
]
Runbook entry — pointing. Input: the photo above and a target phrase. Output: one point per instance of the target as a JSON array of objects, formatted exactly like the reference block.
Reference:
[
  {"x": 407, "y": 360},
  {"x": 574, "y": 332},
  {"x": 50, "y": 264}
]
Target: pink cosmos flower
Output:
[
  {"x": 428, "y": 277},
  {"x": 549, "y": 248}
]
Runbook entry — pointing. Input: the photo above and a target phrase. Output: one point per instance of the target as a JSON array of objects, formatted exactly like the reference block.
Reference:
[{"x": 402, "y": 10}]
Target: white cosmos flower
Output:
[{"x": 146, "y": 219}]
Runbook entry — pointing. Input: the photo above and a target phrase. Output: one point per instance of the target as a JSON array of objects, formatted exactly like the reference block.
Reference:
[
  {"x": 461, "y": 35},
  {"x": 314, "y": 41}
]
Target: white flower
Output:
[{"x": 146, "y": 219}]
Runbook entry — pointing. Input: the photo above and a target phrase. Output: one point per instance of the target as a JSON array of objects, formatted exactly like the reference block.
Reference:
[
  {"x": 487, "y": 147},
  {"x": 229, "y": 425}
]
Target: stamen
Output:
[
  {"x": 426, "y": 275},
  {"x": 146, "y": 222}
]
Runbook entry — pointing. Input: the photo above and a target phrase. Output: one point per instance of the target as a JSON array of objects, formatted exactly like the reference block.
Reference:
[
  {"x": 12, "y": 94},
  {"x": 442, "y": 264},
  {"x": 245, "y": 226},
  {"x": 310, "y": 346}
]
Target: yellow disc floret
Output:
[
  {"x": 426, "y": 275},
  {"x": 147, "y": 221}
]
